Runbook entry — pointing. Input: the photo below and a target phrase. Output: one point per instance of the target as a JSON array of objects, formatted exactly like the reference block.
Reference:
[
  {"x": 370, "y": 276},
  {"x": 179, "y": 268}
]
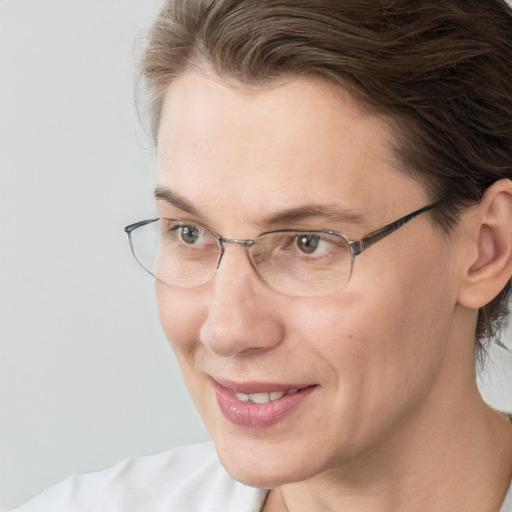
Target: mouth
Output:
[{"x": 258, "y": 405}]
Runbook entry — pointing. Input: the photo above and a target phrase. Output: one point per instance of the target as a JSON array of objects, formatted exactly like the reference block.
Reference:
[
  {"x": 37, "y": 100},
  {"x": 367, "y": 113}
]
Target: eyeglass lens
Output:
[{"x": 296, "y": 263}]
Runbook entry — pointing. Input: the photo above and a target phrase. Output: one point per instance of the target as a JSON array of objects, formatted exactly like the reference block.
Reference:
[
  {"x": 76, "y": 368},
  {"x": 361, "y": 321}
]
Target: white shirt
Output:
[{"x": 189, "y": 479}]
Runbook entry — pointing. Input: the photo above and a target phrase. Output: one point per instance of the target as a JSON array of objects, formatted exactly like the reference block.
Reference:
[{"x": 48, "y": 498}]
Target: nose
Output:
[{"x": 241, "y": 311}]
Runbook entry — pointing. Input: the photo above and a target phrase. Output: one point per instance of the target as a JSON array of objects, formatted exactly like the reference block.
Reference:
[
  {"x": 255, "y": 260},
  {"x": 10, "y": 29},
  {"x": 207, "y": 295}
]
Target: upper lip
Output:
[{"x": 251, "y": 387}]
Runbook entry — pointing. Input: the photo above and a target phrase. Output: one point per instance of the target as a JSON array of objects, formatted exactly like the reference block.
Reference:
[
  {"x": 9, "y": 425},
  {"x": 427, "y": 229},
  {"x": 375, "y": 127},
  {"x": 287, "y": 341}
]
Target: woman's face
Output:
[{"x": 343, "y": 372}]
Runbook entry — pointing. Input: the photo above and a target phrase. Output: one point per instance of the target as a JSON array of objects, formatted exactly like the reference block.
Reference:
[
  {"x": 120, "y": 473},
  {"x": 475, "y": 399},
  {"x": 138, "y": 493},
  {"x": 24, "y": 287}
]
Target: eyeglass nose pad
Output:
[
  {"x": 247, "y": 244},
  {"x": 221, "y": 252}
]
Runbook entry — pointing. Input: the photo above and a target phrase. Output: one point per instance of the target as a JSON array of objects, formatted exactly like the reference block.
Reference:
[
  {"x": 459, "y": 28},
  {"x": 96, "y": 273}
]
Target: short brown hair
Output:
[{"x": 441, "y": 71}]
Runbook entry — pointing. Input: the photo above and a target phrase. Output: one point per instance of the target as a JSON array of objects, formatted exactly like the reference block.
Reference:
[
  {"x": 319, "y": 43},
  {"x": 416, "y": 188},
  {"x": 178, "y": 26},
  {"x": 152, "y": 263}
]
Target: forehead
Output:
[{"x": 300, "y": 140}]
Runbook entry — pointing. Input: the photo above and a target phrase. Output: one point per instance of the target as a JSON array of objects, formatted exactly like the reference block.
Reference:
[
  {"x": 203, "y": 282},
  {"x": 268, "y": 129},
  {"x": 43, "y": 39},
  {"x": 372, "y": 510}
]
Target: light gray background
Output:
[{"x": 86, "y": 376}]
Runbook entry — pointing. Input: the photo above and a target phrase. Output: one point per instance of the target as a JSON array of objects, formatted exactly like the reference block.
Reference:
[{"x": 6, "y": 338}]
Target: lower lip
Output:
[{"x": 257, "y": 416}]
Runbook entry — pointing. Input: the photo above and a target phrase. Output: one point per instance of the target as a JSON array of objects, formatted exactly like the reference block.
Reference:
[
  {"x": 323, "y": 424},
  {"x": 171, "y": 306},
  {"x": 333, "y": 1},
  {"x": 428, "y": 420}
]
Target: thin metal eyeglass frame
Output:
[{"x": 356, "y": 246}]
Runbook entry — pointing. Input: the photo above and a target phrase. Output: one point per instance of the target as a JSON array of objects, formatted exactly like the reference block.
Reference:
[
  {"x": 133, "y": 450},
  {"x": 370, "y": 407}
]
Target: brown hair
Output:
[{"x": 440, "y": 70}]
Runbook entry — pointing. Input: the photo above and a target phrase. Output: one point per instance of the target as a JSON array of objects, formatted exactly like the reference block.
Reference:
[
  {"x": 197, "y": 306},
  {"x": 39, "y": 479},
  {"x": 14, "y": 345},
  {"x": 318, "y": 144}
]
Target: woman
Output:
[{"x": 333, "y": 249}]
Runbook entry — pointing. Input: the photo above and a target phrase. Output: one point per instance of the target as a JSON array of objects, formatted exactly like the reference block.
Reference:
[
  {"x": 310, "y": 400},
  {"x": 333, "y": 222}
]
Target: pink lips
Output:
[{"x": 257, "y": 415}]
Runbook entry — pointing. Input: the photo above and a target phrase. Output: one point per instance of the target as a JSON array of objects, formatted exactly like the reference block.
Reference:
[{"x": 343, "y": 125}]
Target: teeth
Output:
[
  {"x": 259, "y": 398},
  {"x": 263, "y": 398}
]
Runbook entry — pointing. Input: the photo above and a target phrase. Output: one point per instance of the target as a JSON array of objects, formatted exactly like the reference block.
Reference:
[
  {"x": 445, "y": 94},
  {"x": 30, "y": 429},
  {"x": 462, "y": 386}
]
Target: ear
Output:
[{"x": 489, "y": 265}]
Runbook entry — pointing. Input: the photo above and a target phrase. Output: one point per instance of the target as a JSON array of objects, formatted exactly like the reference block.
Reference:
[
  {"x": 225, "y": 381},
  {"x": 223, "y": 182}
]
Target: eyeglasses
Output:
[{"x": 299, "y": 263}]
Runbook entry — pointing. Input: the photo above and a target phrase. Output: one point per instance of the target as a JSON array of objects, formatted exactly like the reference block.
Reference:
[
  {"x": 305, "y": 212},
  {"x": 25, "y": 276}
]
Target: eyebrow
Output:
[
  {"x": 330, "y": 212},
  {"x": 167, "y": 195}
]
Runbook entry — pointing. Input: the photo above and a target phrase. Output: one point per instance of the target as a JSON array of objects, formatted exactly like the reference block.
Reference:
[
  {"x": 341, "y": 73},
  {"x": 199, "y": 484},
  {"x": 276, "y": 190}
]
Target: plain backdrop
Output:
[{"x": 86, "y": 376}]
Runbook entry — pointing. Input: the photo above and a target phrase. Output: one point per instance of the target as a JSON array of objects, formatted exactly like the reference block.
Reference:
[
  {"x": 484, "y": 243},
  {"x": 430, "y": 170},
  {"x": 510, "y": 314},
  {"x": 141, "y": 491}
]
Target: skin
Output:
[{"x": 396, "y": 412}]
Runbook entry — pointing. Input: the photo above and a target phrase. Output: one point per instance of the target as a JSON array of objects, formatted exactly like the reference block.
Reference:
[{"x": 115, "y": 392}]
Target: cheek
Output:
[
  {"x": 181, "y": 316},
  {"x": 386, "y": 333},
  {"x": 406, "y": 303}
]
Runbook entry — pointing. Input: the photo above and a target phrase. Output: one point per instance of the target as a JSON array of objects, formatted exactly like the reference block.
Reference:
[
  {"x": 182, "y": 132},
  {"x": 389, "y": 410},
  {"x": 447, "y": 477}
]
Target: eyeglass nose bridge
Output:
[{"x": 247, "y": 243}]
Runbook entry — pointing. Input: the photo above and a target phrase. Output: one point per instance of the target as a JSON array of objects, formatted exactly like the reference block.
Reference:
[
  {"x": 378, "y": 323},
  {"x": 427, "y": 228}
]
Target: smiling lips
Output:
[{"x": 258, "y": 405}]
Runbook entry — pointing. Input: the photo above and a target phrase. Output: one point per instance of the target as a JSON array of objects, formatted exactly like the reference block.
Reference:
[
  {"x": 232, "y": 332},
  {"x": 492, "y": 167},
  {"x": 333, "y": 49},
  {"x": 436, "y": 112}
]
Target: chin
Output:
[
  {"x": 261, "y": 478},
  {"x": 266, "y": 468}
]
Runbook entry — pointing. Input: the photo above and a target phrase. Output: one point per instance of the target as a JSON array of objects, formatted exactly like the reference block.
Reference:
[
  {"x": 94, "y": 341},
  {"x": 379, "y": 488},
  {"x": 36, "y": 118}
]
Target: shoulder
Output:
[{"x": 189, "y": 479}]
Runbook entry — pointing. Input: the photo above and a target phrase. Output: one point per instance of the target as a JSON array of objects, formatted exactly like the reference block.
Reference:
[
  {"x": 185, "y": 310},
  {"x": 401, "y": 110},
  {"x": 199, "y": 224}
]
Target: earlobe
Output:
[{"x": 490, "y": 266}]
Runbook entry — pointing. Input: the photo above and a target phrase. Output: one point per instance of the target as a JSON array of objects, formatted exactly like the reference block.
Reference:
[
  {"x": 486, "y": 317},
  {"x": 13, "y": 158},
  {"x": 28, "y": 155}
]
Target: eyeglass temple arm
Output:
[
  {"x": 358, "y": 246},
  {"x": 131, "y": 227}
]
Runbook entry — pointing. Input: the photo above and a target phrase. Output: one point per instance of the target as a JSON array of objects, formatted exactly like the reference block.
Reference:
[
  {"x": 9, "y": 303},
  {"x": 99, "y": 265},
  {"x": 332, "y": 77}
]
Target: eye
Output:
[
  {"x": 308, "y": 244},
  {"x": 191, "y": 234}
]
